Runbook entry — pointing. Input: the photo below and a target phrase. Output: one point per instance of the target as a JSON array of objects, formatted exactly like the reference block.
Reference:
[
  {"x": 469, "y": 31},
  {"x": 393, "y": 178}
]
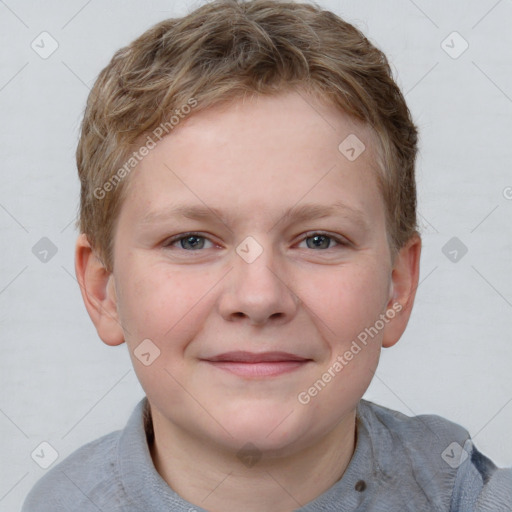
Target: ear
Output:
[
  {"x": 98, "y": 292},
  {"x": 404, "y": 282}
]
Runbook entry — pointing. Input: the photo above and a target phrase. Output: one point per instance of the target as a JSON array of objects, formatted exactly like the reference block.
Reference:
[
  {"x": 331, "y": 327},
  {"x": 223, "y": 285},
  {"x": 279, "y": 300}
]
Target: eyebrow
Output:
[
  {"x": 304, "y": 212},
  {"x": 311, "y": 211}
]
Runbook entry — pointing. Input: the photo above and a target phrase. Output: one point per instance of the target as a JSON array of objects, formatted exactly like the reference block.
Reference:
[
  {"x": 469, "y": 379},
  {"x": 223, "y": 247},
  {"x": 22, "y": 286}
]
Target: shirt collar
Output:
[{"x": 145, "y": 487}]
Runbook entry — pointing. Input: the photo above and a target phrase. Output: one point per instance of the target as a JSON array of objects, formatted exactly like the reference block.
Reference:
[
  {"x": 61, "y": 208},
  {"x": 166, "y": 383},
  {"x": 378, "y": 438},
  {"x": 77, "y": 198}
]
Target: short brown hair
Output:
[{"x": 226, "y": 49}]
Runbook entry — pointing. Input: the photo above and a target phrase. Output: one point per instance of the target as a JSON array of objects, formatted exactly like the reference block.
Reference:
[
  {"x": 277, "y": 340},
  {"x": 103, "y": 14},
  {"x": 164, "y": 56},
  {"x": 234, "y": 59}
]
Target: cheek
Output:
[
  {"x": 337, "y": 390},
  {"x": 160, "y": 304},
  {"x": 345, "y": 300},
  {"x": 164, "y": 307}
]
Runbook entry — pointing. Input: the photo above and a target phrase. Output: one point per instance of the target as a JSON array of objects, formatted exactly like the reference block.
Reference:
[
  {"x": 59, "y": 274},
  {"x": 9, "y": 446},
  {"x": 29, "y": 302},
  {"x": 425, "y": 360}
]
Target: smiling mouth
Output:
[{"x": 249, "y": 364}]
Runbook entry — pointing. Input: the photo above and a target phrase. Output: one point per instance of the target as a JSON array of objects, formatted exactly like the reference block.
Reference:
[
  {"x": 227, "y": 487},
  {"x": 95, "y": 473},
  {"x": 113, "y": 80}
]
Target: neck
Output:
[{"x": 216, "y": 479}]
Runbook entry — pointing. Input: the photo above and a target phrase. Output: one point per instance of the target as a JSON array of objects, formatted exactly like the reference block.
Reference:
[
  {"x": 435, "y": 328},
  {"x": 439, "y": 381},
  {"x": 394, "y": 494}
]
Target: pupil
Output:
[
  {"x": 320, "y": 241},
  {"x": 192, "y": 241}
]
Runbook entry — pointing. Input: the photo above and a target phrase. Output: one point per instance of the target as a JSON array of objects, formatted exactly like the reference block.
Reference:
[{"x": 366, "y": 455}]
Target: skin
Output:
[{"x": 252, "y": 160}]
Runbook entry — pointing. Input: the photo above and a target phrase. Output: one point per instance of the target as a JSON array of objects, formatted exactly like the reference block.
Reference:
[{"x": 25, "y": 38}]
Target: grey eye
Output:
[
  {"x": 192, "y": 242},
  {"x": 318, "y": 242}
]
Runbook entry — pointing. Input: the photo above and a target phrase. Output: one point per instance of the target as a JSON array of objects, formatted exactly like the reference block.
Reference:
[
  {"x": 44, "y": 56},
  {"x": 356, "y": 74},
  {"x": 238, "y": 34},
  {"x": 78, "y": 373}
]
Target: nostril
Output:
[{"x": 239, "y": 314}]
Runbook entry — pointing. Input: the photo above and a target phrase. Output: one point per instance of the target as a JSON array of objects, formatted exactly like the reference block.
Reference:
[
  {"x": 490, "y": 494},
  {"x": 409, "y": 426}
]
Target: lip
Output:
[
  {"x": 255, "y": 357},
  {"x": 264, "y": 364}
]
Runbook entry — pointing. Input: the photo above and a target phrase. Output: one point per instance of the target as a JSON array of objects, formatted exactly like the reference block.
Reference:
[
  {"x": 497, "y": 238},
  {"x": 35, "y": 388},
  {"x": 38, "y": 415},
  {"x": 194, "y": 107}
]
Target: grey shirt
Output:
[{"x": 400, "y": 463}]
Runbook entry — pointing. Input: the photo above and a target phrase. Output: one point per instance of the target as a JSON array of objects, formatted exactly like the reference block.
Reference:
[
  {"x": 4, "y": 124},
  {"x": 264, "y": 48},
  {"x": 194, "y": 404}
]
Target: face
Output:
[{"x": 252, "y": 253}]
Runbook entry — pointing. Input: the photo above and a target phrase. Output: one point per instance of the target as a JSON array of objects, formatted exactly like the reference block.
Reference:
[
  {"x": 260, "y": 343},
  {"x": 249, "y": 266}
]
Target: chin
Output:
[{"x": 275, "y": 432}]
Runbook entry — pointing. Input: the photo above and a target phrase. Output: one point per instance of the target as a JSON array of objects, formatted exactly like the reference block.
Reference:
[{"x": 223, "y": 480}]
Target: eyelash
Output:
[{"x": 310, "y": 234}]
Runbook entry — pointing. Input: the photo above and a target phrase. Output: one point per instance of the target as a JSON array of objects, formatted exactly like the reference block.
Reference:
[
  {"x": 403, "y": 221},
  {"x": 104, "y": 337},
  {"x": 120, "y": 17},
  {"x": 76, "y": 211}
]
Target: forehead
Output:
[{"x": 260, "y": 153}]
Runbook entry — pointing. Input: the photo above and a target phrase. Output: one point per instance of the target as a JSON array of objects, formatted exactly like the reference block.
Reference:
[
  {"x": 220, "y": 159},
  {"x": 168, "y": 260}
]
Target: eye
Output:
[
  {"x": 322, "y": 241},
  {"x": 189, "y": 242}
]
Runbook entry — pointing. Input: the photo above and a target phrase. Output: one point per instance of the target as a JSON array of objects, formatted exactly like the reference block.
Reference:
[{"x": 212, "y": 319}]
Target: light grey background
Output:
[{"x": 62, "y": 385}]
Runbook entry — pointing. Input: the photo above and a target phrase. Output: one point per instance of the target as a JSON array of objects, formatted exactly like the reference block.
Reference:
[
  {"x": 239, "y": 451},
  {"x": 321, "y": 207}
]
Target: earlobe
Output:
[
  {"x": 98, "y": 292},
  {"x": 404, "y": 282}
]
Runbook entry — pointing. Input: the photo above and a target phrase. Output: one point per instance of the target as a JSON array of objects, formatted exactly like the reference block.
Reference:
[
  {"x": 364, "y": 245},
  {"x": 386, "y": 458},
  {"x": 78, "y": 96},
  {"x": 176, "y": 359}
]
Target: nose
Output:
[{"x": 258, "y": 292}]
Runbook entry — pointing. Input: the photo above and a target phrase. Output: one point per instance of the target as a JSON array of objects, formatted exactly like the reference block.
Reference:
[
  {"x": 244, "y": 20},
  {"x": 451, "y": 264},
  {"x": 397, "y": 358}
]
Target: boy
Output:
[{"x": 248, "y": 228}]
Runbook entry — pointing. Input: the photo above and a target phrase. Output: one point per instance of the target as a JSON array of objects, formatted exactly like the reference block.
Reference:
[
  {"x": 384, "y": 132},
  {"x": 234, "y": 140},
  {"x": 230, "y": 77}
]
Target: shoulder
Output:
[
  {"x": 72, "y": 484},
  {"x": 481, "y": 486},
  {"x": 436, "y": 428},
  {"x": 425, "y": 444},
  {"x": 438, "y": 459}
]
